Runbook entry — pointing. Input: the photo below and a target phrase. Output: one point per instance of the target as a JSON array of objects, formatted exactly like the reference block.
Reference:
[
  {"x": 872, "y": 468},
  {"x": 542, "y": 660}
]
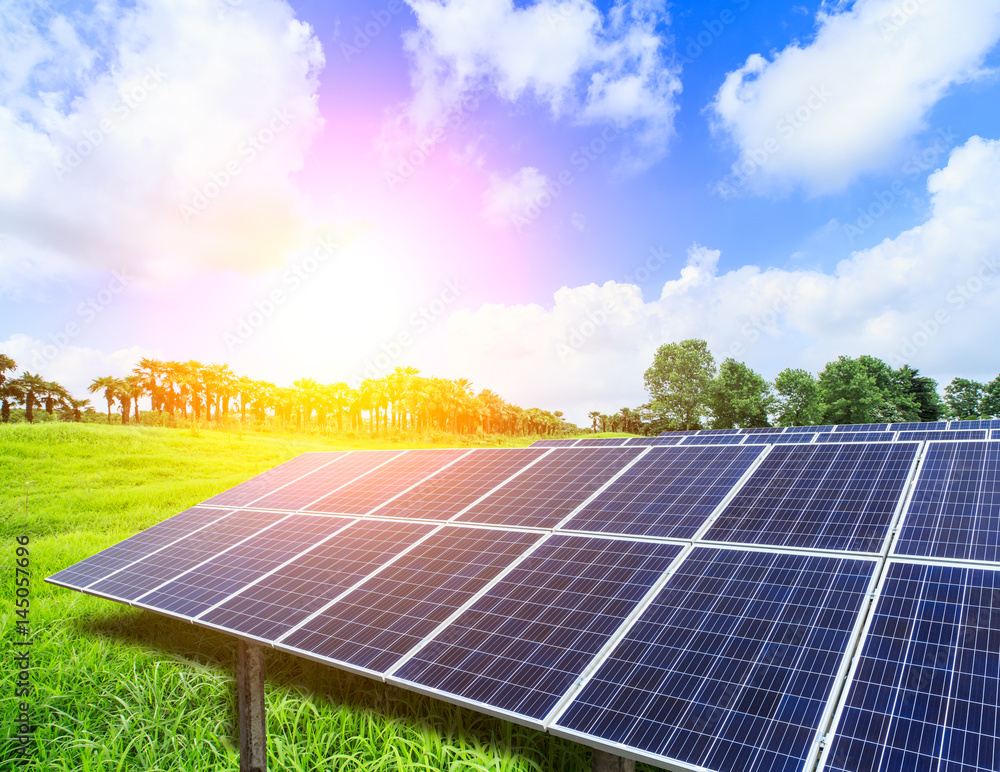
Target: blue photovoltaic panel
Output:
[
  {"x": 778, "y": 439},
  {"x": 280, "y": 601},
  {"x": 926, "y": 691},
  {"x": 857, "y": 437},
  {"x": 660, "y": 440},
  {"x": 371, "y": 490},
  {"x": 679, "y": 432},
  {"x": 946, "y": 434},
  {"x": 817, "y": 429},
  {"x": 995, "y": 434},
  {"x": 320, "y": 483},
  {"x": 955, "y": 508},
  {"x": 763, "y": 430},
  {"x": 835, "y": 497},
  {"x": 860, "y": 427},
  {"x": 669, "y": 492},
  {"x": 157, "y": 537},
  {"x": 523, "y": 644},
  {"x": 210, "y": 583},
  {"x": 453, "y": 489},
  {"x": 255, "y": 487},
  {"x": 376, "y": 624},
  {"x": 600, "y": 442},
  {"x": 732, "y": 665},
  {"x": 714, "y": 439},
  {"x": 553, "y": 443},
  {"x": 543, "y": 495},
  {"x": 919, "y": 426},
  {"x": 983, "y": 423},
  {"x": 153, "y": 570}
]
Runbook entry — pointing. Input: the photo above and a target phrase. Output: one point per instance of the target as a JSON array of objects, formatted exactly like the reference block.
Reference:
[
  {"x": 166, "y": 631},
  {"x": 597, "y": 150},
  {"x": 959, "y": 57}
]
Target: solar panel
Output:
[
  {"x": 713, "y": 439},
  {"x": 279, "y": 601},
  {"x": 562, "y": 443},
  {"x": 860, "y": 427},
  {"x": 981, "y": 423},
  {"x": 669, "y": 492},
  {"x": 548, "y": 491},
  {"x": 731, "y": 666},
  {"x": 157, "y": 537},
  {"x": 595, "y": 442},
  {"x": 388, "y": 615},
  {"x": 660, "y": 440},
  {"x": 372, "y": 489},
  {"x": 460, "y": 484},
  {"x": 521, "y": 646},
  {"x": 954, "y": 511},
  {"x": 856, "y": 437},
  {"x": 924, "y": 693},
  {"x": 920, "y": 426},
  {"x": 822, "y": 428},
  {"x": 835, "y": 497},
  {"x": 137, "y": 578},
  {"x": 779, "y": 439},
  {"x": 255, "y": 487},
  {"x": 763, "y": 430},
  {"x": 317, "y": 484},
  {"x": 680, "y": 432},
  {"x": 946, "y": 434}
]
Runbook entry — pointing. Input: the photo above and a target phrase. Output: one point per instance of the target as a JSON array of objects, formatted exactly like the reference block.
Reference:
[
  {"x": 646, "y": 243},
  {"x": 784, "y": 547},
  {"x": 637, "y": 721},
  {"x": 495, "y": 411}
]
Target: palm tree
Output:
[
  {"x": 53, "y": 393},
  {"x": 110, "y": 386},
  {"x": 133, "y": 387},
  {"x": 72, "y": 409},
  {"x": 32, "y": 386},
  {"x": 594, "y": 416},
  {"x": 6, "y": 363},
  {"x": 149, "y": 371},
  {"x": 10, "y": 391}
]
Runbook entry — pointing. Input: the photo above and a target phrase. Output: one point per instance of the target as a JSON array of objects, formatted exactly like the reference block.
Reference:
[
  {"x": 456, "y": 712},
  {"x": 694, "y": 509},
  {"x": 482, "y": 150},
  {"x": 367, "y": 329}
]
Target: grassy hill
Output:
[{"x": 115, "y": 688}]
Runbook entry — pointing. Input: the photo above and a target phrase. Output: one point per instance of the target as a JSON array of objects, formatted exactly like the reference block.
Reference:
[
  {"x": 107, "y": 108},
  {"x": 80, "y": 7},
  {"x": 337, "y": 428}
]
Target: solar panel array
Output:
[{"x": 700, "y": 601}]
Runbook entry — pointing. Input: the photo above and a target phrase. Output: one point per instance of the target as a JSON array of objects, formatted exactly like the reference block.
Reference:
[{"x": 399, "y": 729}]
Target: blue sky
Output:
[{"x": 533, "y": 195}]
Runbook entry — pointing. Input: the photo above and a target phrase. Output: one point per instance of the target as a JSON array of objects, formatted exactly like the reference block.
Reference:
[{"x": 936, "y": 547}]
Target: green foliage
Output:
[
  {"x": 989, "y": 405},
  {"x": 678, "y": 383},
  {"x": 739, "y": 397},
  {"x": 964, "y": 398},
  {"x": 798, "y": 401},
  {"x": 865, "y": 390},
  {"x": 922, "y": 390}
]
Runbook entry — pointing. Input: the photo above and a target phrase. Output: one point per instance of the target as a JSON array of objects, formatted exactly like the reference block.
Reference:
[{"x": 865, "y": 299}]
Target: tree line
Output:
[
  {"x": 403, "y": 401},
  {"x": 688, "y": 391}
]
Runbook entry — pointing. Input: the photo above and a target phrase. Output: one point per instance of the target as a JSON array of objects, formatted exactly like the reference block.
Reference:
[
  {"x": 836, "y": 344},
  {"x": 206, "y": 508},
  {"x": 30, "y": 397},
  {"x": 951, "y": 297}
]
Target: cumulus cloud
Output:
[
  {"x": 160, "y": 136},
  {"x": 926, "y": 297},
  {"x": 820, "y": 114},
  {"x": 563, "y": 53}
]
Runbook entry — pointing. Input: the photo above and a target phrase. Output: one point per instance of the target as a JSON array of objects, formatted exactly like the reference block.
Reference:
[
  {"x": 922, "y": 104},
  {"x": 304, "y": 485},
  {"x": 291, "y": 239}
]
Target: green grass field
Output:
[{"x": 115, "y": 688}]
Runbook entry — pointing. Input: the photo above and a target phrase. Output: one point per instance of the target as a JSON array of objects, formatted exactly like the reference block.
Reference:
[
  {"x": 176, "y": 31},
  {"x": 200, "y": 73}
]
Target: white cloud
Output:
[
  {"x": 821, "y": 114},
  {"x": 561, "y": 52},
  {"x": 927, "y": 297},
  {"x": 111, "y": 124},
  {"x": 509, "y": 197}
]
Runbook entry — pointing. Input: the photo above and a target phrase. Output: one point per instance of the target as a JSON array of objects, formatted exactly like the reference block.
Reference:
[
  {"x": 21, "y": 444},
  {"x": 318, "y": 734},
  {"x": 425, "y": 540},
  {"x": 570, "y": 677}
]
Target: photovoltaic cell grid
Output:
[
  {"x": 926, "y": 689},
  {"x": 713, "y": 439},
  {"x": 835, "y": 497},
  {"x": 732, "y": 665},
  {"x": 779, "y": 439},
  {"x": 870, "y": 436},
  {"x": 954, "y": 511},
  {"x": 920, "y": 426},
  {"x": 860, "y": 427},
  {"x": 983, "y": 423},
  {"x": 523, "y": 644},
  {"x": 361, "y": 595},
  {"x": 669, "y": 492},
  {"x": 547, "y": 492}
]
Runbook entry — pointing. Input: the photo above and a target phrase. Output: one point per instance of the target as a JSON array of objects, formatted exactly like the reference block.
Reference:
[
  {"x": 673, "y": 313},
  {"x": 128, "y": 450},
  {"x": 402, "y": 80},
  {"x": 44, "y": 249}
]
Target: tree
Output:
[
  {"x": 72, "y": 409},
  {"x": 964, "y": 398},
  {"x": 110, "y": 387},
  {"x": 6, "y": 363},
  {"x": 797, "y": 400},
  {"x": 739, "y": 397},
  {"x": 989, "y": 404},
  {"x": 922, "y": 390},
  {"x": 10, "y": 391},
  {"x": 32, "y": 387},
  {"x": 864, "y": 390},
  {"x": 678, "y": 382}
]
